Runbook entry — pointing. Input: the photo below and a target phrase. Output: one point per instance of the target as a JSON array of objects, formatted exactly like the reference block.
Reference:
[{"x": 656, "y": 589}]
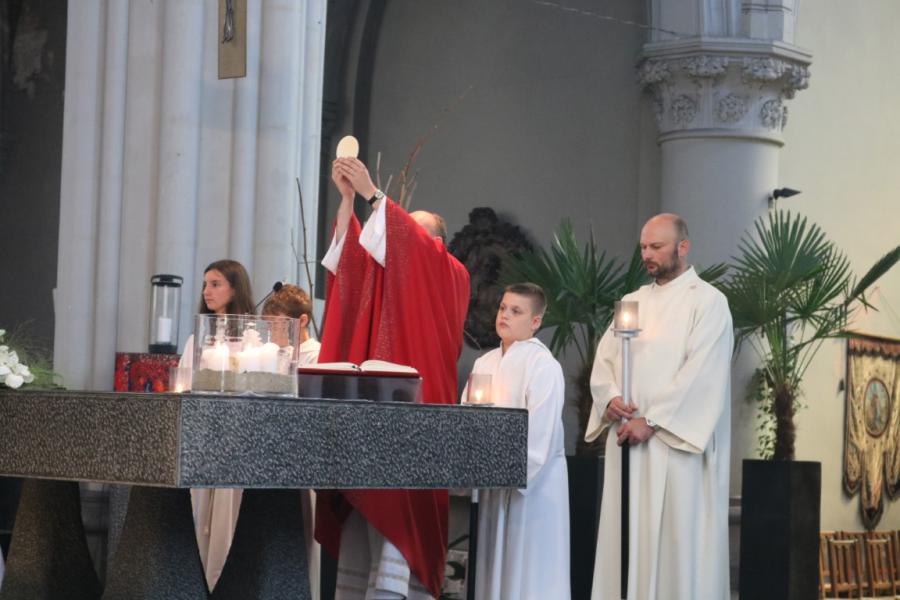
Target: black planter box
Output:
[
  {"x": 780, "y": 508},
  {"x": 585, "y": 490}
]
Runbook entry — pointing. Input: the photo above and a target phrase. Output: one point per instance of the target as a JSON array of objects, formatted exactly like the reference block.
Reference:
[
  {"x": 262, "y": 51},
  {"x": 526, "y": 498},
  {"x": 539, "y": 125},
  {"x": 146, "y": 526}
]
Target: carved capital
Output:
[{"x": 722, "y": 92}]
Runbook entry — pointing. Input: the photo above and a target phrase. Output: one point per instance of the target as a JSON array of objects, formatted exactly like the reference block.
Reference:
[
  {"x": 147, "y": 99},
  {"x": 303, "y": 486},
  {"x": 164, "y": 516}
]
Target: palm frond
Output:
[{"x": 882, "y": 266}]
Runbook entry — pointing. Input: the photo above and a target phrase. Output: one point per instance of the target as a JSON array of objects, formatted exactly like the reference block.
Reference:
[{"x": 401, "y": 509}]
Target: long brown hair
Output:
[{"x": 242, "y": 301}]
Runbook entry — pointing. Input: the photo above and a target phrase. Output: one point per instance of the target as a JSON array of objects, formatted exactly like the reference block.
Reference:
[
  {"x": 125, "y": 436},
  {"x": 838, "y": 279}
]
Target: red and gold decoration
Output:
[
  {"x": 142, "y": 372},
  {"x": 872, "y": 438}
]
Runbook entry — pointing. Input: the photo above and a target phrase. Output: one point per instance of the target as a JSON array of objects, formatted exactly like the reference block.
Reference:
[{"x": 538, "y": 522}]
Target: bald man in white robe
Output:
[{"x": 678, "y": 427}]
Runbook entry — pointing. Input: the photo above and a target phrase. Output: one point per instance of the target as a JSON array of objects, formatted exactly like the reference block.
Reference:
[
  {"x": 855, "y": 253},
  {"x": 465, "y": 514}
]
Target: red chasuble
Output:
[{"x": 411, "y": 312}]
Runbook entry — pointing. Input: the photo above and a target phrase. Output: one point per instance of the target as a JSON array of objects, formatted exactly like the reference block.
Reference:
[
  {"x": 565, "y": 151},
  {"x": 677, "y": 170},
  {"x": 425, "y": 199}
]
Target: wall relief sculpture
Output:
[
  {"x": 872, "y": 424},
  {"x": 483, "y": 246}
]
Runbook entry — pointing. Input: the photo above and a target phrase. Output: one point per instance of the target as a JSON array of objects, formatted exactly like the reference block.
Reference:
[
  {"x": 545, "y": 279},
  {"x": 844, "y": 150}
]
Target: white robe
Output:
[
  {"x": 523, "y": 535},
  {"x": 309, "y": 352},
  {"x": 678, "y": 514}
]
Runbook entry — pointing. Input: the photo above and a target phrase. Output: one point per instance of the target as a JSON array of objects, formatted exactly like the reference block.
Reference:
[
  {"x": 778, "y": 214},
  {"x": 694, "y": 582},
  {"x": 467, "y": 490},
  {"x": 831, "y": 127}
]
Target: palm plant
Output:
[
  {"x": 789, "y": 290},
  {"x": 582, "y": 285}
]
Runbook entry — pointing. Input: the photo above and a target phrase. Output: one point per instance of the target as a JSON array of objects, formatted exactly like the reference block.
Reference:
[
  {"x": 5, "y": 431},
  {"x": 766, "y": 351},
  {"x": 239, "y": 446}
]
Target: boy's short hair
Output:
[
  {"x": 290, "y": 300},
  {"x": 532, "y": 291}
]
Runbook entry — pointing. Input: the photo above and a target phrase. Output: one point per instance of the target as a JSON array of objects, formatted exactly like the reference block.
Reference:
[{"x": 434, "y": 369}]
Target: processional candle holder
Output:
[
  {"x": 625, "y": 327},
  {"x": 245, "y": 355},
  {"x": 165, "y": 303}
]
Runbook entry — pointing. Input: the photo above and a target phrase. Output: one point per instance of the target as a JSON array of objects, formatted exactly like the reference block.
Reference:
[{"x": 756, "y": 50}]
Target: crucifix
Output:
[{"x": 232, "y": 37}]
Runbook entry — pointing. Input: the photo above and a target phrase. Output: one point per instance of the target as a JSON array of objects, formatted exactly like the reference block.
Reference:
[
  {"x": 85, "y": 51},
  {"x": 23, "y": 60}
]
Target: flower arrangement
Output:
[
  {"x": 13, "y": 372},
  {"x": 17, "y": 349}
]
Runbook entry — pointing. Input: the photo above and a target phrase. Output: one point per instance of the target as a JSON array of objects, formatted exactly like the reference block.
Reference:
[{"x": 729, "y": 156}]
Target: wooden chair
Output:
[
  {"x": 880, "y": 558},
  {"x": 824, "y": 570},
  {"x": 895, "y": 538},
  {"x": 860, "y": 537},
  {"x": 845, "y": 558}
]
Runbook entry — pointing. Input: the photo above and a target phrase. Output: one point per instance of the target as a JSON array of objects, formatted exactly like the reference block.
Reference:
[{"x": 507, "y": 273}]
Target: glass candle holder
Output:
[
  {"x": 478, "y": 390},
  {"x": 165, "y": 301},
  {"x": 626, "y": 316},
  {"x": 180, "y": 379},
  {"x": 246, "y": 354}
]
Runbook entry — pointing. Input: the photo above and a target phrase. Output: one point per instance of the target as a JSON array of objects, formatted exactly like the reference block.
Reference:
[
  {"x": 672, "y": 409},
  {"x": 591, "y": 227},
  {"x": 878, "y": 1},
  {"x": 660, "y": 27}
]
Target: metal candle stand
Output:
[{"x": 625, "y": 327}]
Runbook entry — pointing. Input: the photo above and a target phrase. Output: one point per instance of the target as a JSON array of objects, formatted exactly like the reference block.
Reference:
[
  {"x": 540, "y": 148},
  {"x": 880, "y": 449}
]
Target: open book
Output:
[{"x": 369, "y": 367}]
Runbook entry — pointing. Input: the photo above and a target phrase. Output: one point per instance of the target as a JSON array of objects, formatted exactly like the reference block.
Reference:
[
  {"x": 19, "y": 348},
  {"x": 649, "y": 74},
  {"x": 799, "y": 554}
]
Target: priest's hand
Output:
[
  {"x": 340, "y": 180},
  {"x": 358, "y": 176},
  {"x": 617, "y": 410},
  {"x": 634, "y": 431}
]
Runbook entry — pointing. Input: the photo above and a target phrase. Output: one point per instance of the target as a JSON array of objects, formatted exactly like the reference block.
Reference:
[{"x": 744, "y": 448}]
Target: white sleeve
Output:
[
  {"x": 544, "y": 398},
  {"x": 372, "y": 237},
  {"x": 603, "y": 384},
  {"x": 332, "y": 258}
]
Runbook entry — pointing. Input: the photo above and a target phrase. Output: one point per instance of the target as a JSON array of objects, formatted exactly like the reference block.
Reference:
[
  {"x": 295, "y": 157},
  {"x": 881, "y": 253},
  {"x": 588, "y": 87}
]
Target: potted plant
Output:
[{"x": 789, "y": 290}]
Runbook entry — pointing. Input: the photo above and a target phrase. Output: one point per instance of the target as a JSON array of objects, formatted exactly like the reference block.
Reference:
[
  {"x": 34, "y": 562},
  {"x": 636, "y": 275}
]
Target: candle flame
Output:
[{"x": 478, "y": 394}]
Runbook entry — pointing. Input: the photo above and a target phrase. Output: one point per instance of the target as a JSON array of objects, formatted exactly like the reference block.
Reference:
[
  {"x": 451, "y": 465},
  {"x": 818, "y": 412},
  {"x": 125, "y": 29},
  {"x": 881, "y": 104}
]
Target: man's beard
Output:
[{"x": 666, "y": 270}]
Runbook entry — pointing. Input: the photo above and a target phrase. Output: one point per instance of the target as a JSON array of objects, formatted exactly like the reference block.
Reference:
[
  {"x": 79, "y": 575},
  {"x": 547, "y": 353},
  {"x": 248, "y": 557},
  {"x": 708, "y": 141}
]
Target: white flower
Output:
[
  {"x": 14, "y": 381},
  {"x": 2, "y": 333},
  {"x": 13, "y": 359},
  {"x": 4, "y": 370}
]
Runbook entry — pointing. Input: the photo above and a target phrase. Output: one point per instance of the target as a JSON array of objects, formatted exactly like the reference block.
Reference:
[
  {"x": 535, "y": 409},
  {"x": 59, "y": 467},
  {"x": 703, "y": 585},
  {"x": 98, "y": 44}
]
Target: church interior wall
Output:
[{"x": 842, "y": 148}]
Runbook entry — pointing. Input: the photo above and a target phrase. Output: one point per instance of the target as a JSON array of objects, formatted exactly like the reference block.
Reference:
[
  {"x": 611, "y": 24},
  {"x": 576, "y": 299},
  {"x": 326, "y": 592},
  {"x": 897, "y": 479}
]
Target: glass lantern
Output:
[
  {"x": 165, "y": 302},
  {"x": 246, "y": 354}
]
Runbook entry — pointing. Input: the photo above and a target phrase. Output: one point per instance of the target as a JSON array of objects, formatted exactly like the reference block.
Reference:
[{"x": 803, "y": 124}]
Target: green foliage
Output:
[
  {"x": 582, "y": 285},
  {"x": 789, "y": 290}
]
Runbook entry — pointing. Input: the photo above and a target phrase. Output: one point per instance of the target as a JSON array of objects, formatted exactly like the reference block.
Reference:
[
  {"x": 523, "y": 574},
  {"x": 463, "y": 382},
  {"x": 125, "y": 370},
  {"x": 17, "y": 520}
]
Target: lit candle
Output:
[
  {"x": 479, "y": 389},
  {"x": 268, "y": 357},
  {"x": 218, "y": 357},
  {"x": 248, "y": 360},
  {"x": 626, "y": 316}
]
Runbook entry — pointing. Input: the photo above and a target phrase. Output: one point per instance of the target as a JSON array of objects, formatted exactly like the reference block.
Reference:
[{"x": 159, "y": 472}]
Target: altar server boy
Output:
[{"x": 523, "y": 534}]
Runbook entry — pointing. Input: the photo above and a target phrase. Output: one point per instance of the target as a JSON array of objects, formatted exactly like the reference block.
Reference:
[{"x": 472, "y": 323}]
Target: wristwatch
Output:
[
  {"x": 378, "y": 195},
  {"x": 652, "y": 424}
]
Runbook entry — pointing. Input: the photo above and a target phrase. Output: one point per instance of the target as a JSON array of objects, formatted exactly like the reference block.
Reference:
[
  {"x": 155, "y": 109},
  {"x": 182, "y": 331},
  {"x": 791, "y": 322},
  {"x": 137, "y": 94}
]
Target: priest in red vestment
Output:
[{"x": 394, "y": 293}]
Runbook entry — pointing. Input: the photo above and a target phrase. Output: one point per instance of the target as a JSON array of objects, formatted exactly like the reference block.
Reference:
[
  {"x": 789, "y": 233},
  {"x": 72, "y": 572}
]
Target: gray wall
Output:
[{"x": 33, "y": 78}]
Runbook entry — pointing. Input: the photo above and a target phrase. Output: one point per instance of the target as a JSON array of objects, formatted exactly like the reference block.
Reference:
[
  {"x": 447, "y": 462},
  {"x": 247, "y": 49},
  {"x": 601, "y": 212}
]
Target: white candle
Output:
[
  {"x": 248, "y": 360},
  {"x": 216, "y": 358},
  {"x": 268, "y": 357},
  {"x": 163, "y": 330}
]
